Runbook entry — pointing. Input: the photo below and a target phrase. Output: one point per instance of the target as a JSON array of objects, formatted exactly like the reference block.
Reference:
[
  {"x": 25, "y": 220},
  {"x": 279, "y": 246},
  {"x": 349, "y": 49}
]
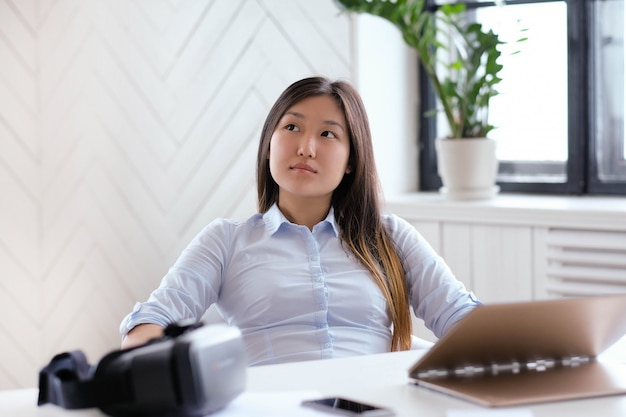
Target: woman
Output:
[{"x": 319, "y": 272}]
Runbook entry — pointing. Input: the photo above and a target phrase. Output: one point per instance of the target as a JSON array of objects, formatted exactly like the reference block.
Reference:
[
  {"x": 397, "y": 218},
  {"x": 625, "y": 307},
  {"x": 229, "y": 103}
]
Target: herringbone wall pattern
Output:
[{"x": 126, "y": 126}]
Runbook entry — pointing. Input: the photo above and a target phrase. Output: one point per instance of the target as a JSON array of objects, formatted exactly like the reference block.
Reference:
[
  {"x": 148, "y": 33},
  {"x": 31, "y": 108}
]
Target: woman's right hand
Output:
[{"x": 141, "y": 334}]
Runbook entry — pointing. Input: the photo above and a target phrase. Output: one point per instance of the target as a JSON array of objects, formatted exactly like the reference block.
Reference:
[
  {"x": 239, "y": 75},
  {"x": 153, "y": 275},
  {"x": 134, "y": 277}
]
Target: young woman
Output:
[{"x": 319, "y": 272}]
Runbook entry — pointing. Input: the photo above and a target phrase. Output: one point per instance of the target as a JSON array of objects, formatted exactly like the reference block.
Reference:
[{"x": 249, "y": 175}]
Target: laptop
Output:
[{"x": 529, "y": 352}]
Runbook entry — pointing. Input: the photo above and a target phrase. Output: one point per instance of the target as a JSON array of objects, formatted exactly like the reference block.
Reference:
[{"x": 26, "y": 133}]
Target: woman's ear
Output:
[{"x": 348, "y": 169}]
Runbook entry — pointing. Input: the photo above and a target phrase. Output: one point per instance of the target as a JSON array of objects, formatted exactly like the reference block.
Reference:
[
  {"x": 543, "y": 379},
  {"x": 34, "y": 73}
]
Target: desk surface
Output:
[{"x": 380, "y": 379}]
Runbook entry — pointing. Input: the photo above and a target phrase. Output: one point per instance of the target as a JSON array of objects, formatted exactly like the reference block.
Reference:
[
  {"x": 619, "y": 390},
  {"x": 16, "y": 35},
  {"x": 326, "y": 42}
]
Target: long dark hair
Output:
[{"x": 356, "y": 201}]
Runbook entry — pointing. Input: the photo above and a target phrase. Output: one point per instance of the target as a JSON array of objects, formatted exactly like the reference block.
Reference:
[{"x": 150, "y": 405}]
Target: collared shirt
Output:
[{"x": 298, "y": 294}]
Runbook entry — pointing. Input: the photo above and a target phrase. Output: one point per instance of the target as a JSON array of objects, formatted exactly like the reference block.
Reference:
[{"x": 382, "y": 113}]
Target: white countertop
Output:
[
  {"x": 603, "y": 213},
  {"x": 380, "y": 379}
]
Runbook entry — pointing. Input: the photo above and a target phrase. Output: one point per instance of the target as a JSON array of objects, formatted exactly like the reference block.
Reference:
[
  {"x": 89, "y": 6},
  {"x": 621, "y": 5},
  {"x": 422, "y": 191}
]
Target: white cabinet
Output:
[
  {"x": 516, "y": 248},
  {"x": 493, "y": 261},
  {"x": 577, "y": 262}
]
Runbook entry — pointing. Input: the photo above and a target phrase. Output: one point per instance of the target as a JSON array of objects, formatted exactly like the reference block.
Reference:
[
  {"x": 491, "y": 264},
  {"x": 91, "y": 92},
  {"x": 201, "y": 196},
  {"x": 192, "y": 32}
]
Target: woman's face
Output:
[{"x": 309, "y": 150}]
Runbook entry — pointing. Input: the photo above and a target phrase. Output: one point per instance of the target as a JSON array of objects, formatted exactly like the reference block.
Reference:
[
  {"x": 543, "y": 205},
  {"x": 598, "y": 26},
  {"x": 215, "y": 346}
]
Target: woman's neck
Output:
[{"x": 305, "y": 212}]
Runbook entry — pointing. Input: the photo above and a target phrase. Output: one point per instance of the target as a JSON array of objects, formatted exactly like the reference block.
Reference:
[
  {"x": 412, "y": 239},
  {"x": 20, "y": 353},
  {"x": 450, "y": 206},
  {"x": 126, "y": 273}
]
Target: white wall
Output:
[
  {"x": 125, "y": 126},
  {"x": 387, "y": 79}
]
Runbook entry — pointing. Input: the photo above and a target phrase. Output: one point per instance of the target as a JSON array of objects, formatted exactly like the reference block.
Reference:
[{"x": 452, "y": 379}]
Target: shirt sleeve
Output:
[
  {"x": 190, "y": 286},
  {"x": 435, "y": 294}
]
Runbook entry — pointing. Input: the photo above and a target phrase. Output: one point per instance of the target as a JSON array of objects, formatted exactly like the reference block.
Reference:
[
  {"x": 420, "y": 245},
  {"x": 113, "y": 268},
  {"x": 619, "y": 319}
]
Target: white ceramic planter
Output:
[{"x": 467, "y": 167}]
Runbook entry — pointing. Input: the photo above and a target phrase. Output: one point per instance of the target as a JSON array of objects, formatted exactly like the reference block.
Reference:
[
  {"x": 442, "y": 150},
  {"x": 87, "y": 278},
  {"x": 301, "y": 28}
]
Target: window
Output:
[{"x": 560, "y": 111}]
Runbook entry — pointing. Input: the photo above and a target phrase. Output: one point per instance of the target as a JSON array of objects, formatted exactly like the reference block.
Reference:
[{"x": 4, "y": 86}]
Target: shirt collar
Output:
[{"x": 274, "y": 218}]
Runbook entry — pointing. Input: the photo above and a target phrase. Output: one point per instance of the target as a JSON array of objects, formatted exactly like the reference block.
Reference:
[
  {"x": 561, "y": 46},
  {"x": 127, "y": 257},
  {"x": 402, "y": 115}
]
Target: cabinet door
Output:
[
  {"x": 574, "y": 263},
  {"x": 456, "y": 250},
  {"x": 493, "y": 261}
]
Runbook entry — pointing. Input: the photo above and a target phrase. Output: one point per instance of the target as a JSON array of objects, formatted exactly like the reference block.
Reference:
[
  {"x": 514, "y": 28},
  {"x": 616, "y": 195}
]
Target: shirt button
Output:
[{"x": 320, "y": 306}]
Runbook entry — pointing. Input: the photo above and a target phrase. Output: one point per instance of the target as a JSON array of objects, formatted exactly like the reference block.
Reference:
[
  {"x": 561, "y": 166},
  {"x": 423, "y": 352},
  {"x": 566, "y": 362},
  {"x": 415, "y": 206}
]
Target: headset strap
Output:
[{"x": 67, "y": 381}]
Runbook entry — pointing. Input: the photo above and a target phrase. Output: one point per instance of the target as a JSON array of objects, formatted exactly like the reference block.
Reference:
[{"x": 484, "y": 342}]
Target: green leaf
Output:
[{"x": 467, "y": 83}]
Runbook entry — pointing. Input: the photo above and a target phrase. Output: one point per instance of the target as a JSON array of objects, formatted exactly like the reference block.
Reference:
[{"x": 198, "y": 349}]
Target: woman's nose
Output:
[{"x": 307, "y": 147}]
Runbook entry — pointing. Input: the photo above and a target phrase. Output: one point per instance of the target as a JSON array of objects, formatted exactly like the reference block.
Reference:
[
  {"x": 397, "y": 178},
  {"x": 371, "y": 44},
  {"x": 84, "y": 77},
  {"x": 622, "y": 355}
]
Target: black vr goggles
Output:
[{"x": 190, "y": 371}]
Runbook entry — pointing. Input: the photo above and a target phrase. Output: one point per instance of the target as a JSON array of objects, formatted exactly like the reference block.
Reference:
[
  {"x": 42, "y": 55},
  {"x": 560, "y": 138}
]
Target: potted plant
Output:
[{"x": 464, "y": 83}]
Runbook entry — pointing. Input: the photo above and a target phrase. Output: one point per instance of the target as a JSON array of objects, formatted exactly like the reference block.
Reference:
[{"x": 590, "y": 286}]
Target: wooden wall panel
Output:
[{"x": 125, "y": 127}]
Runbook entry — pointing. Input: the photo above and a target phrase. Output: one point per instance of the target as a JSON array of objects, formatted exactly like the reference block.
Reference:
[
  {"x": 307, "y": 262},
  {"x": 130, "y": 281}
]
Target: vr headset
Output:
[{"x": 193, "y": 370}]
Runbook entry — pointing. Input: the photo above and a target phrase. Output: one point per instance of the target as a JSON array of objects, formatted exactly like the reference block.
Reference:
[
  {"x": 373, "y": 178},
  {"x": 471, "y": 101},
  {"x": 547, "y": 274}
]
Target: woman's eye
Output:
[
  {"x": 328, "y": 134},
  {"x": 291, "y": 127}
]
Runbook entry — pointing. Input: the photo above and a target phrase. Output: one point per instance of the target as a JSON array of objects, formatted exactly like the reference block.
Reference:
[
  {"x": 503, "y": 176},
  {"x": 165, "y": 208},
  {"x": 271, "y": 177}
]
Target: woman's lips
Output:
[{"x": 303, "y": 167}]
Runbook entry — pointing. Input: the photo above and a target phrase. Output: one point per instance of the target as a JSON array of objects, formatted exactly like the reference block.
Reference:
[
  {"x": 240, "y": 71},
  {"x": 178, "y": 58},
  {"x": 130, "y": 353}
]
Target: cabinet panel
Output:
[
  {"x": 502, "y": 263},
  {"x": 576, "y": 262},
  {"x": 493, "y": 261},
  {"x": 456, "y": 249}
]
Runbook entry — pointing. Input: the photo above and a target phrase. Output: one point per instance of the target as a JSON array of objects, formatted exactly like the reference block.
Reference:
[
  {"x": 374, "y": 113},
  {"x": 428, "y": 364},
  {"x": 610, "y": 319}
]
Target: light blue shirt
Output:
[{"x": 297, "y": 294}]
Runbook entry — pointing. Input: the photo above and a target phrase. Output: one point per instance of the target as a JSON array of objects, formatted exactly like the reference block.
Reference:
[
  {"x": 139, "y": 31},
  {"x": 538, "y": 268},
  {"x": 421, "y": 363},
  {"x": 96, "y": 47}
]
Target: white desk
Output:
[{"x": 380, "y": 379}]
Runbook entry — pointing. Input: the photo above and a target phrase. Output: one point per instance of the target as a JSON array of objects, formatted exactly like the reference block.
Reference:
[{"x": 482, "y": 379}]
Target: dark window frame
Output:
[{"x": 581, "y": 167}]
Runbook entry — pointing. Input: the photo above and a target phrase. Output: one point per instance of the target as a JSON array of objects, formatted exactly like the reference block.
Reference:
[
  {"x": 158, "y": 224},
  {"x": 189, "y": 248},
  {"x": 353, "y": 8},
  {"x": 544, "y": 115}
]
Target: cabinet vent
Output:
[{"x": 585, "y": 262}]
